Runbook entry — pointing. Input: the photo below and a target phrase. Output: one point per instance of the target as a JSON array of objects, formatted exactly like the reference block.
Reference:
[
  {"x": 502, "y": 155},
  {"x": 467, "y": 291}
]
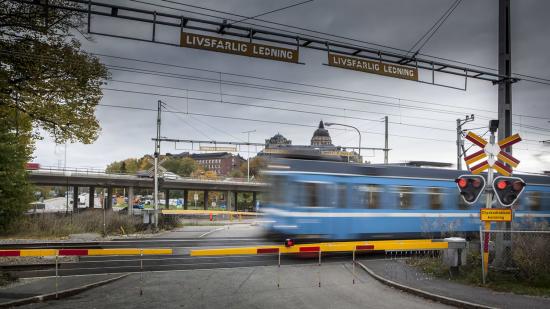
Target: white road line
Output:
[{"x": 212, "y": 231}]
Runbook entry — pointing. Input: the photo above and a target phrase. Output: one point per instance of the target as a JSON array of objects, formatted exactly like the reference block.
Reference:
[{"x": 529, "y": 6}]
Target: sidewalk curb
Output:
[
  {"x": 60, "y": 294},
  {"x": 435, "y": 297}
]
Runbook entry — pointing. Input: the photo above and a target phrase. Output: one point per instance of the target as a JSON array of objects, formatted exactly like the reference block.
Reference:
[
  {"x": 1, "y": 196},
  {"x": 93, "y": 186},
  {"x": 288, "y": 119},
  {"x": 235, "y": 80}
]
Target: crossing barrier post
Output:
[{"x": 56, "y": 274}]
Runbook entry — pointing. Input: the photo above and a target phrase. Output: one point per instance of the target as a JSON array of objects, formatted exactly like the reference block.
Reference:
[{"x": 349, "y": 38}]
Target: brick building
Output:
[{"x": 220, "y": 162}]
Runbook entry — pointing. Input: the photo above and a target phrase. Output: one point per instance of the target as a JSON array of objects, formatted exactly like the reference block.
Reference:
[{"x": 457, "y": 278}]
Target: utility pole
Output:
[
  {"x": 248, "y": 154},
  {"x": 459, "y": 141},
  {"x": 503, "y": 240},
  {"x": 386, "y": 135},
  {"x": 156, "y": 156}
]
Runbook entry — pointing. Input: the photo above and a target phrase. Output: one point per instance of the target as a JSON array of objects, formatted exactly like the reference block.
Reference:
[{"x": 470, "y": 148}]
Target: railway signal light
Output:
[
  {"x": 508, "y": 189},
  {"x": 470, "y": 187}
]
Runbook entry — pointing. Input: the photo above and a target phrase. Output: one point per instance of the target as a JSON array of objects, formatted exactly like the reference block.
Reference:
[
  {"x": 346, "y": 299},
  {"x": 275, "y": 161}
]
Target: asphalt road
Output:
[{"x": 246, "y": 287}]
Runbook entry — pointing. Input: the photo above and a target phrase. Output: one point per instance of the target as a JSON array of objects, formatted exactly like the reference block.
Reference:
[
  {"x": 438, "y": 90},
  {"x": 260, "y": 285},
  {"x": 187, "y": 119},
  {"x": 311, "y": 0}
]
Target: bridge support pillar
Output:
[
  {"x": 228, "y": 200},
  {"x": 236, "y": 199},
  {"x": 205, "y": 199},
  {"x": 131, "y": 200},
  {"x": 254, "y": 201},
  {"x": 91, "y": 197},
  {"x": 166, "y": 199},
  {"x": 75, "y": 199},
  {"x": 109, "y": 204},
  {"x": 185, "y": 198}
]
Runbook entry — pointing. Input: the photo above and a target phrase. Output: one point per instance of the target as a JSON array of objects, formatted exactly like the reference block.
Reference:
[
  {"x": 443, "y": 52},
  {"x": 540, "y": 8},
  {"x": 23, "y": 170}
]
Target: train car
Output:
[{"x": 341, "y": 201}]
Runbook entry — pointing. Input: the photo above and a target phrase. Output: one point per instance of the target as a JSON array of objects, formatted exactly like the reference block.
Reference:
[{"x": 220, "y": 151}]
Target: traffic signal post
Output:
[{"x": 507, "y": 189}]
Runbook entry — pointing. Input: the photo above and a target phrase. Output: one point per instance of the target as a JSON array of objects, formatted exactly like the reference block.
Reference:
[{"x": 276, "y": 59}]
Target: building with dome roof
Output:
[
  {"x": 321, "y": 137},
  {"x": 320, "y": 146}
]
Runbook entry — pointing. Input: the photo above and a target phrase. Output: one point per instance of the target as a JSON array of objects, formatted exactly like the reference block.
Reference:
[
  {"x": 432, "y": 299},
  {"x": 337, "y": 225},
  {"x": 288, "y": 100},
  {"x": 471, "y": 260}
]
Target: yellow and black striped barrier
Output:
[
  {"x": 85, "y": 252},
  {"x": 349, "y": 246}
]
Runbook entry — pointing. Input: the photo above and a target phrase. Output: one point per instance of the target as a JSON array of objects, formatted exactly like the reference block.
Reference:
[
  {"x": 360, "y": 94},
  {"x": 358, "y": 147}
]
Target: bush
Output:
[
  {"x": 531, "y": 256},
  {"x": 89, "y": 221}
]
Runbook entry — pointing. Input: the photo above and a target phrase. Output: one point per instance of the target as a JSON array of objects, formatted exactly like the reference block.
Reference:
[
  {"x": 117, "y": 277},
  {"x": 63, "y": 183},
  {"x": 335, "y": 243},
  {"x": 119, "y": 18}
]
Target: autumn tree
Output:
[
  {"x": 181, "y": 166},
  {"x": 48, "y": 86},
  {"x": 256, "y": 165}
]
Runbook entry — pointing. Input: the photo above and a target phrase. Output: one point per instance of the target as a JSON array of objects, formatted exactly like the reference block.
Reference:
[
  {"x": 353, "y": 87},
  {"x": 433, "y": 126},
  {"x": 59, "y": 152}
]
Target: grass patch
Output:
[
  {"x": 509, "y": 281},
  {"x": 88, "y": 221}
]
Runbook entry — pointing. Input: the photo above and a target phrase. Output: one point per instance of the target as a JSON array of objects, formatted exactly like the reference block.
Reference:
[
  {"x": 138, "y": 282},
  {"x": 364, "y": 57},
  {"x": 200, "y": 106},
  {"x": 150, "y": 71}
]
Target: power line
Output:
[
  {"x": 457, "y": 3},
  {"x": 271, "y": 107},
  {"x": 469, "y": 109},
  {"x": 294, "y": 91},
  {"x": 276, "y": 100},
  {"x": 272, "y": 11},
  {"x": 533, "y": 79},
  {"x": 277, "y": 122},
  {"x": 432, "y": 27}
]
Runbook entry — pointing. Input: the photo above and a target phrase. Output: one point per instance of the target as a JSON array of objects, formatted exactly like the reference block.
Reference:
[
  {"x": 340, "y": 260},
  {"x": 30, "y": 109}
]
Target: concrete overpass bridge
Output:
[{"x": 78, "y": 178}]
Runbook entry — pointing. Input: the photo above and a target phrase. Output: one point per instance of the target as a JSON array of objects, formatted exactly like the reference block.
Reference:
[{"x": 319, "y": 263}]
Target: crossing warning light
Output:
[
  {"x": 470, "y": 187},
  {"x": 508, "y": 189},
  {"x": 289, "y": 242}
]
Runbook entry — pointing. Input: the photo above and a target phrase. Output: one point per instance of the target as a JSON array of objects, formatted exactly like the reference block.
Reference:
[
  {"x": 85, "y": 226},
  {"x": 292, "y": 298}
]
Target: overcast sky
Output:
[{"x": 470, "y": 34}]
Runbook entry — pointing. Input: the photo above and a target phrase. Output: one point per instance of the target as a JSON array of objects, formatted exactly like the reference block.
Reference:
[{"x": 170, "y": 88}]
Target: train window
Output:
[
  {"x": 278, "y": 192},
  {"x": 534, "y": 201},
  {"x": 342, "y": 196},
  {"x": 365, "y": 196},
  {"x": 435, "y": 198},
  {"x": 405, "y": 197},
  {"x": 311, "y": 194}
]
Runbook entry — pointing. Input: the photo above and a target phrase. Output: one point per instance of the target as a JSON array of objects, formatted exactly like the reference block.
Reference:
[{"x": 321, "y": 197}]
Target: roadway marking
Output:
[{"x": 212, "y": 231}]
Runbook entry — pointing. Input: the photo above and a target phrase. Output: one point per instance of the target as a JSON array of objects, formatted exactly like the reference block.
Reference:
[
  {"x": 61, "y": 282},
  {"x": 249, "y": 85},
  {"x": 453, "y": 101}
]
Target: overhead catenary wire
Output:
[
  {"x": 453, "y": 7},
  {"x": 294, "y": 91},
  {"x": 439, "y": 22},
  {"x": 312, "y": 86},
  {"x": 273, "y": 108},
  {"x": 526, "y": 77}
]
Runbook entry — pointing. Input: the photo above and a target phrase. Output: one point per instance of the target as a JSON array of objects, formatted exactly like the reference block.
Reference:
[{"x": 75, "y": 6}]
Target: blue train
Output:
[{"x": 339, "y": 201}]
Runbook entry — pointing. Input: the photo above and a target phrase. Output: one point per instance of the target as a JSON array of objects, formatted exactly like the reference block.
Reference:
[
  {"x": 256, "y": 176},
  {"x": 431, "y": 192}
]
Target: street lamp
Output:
[
  {"x": 328, "y": 124},
  {"x": 248, "y": 154}
]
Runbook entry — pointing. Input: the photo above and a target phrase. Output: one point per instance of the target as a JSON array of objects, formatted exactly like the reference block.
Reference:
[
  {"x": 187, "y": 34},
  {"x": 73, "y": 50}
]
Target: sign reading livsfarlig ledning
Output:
[
  {"x": 376, "y": 67},
  {"x": 228, "y": 46}
]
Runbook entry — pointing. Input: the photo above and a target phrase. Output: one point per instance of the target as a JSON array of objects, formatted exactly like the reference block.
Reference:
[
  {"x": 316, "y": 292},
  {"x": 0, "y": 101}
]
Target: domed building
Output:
[
  {"x": 321, "y": 137},
  {"x": 321, "y": 146},
  {"x": 277, "y": 139}
]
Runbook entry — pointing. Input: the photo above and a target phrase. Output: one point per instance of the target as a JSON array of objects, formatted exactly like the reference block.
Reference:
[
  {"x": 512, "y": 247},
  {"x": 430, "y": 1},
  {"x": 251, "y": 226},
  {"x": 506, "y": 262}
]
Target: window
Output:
[
  {"x": 335, "y": 195},
  {"x": 435, "y": 198},
  {"x": 365, "y": 196},
  {"x": 405, "y": 197},
  {"x": 310, "y": 194},
  {"x": 278, "y": 190},
  {"x": 534, "y": 199}
]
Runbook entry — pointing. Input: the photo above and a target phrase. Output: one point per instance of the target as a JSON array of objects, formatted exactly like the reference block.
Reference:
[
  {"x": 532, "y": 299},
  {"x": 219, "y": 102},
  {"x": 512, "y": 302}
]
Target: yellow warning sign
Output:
[{"x": 495, "y": 214}]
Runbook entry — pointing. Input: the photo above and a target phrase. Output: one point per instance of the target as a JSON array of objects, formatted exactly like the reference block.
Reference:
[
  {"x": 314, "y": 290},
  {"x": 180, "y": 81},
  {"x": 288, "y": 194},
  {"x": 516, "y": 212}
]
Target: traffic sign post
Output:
[{"x": 512, "y": 187}]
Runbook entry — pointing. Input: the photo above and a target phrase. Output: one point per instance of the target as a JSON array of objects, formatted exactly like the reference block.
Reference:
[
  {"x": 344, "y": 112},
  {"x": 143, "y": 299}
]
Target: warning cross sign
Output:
[{"x": 492, "y": 153}]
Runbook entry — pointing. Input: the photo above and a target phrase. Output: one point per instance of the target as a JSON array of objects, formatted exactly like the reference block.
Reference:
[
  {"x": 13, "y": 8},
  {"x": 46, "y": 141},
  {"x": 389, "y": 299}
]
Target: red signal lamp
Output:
[
  {"x": 502, "y": 184},
  {"x": 462, "y": 183}
]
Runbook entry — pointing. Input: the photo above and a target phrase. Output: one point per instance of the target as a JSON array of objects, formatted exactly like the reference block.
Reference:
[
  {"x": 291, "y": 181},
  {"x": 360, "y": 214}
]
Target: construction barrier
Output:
[
  {"x": 84, "y": 252},
  {"x": 350, "y": 246}
]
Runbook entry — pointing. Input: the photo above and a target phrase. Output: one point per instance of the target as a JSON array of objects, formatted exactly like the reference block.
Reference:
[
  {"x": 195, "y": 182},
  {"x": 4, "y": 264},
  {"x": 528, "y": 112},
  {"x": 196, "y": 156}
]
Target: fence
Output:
[{"x": 522, "y": 252}]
